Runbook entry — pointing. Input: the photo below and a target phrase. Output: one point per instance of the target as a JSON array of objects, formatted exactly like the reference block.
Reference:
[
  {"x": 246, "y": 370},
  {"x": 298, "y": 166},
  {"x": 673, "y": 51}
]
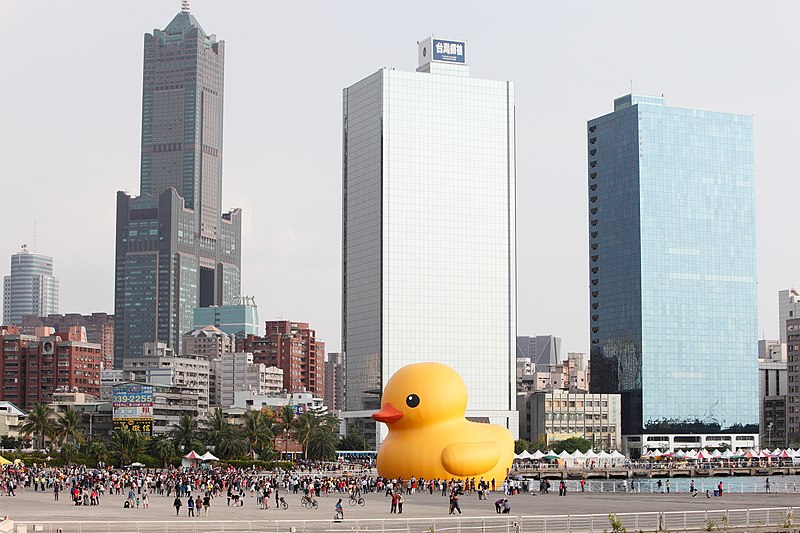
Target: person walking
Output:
[
  {"x": 198, "y": 504},
  {"x": 177, "y": 504},
  {"x": 190, "y": 506},
  {"x": 206, "y": 504},
  {"x": 766, "y": 485},
  {"x": 583, "y": 485},
  {"x": 393, "y": 508},
  {"x": 668, "y": 485},
  {"x": 400, "y": 504},
  {"x": 339, "y": 510}
]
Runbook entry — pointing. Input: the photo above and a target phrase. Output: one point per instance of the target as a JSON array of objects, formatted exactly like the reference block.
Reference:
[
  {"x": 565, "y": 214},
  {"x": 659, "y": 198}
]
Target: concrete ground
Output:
[{"x": 29, "y": 506}]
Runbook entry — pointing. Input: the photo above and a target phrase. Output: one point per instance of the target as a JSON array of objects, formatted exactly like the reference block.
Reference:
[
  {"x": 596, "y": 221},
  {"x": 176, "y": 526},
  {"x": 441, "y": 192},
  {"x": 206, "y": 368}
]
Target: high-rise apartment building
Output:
[
  {"x": 429, "y": 234},
  {"x": 673, "y": 270},
  {"x": 788, "y": 307},
  {"x": 334, "y": 381},
  {"x": 174, "y": 251},
  {"x": 30, "y": 289},
  {"x": 294, "y": 348},
  {"x": 793, "y": 377},
  {"x": 99, "y": 329},
  {"x": 33, "y": 368},
  {"x": 237, "y": 372}
]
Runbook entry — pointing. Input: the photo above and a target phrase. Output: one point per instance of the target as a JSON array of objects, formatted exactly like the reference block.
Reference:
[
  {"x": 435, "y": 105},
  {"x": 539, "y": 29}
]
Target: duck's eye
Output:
[{"x": 412, "y": 400}]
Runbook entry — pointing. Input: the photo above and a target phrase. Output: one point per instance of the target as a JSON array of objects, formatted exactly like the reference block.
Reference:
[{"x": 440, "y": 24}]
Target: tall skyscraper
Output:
[
  {"x": 174, "y": 250},
  {"x": 429, "y": 234},
  {"x": 673, "y": 270},
  {"x": 30, "y": 289}
]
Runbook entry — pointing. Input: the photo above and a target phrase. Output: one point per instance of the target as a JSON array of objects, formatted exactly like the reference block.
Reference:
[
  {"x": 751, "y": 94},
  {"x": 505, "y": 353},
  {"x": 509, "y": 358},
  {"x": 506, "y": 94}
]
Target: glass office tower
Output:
[
  {"x": 174, "y": 250},
  {"x": 30, "y": 289},
  {"x": 429, "y": 232},
  {"x": 673, "y": 267}
]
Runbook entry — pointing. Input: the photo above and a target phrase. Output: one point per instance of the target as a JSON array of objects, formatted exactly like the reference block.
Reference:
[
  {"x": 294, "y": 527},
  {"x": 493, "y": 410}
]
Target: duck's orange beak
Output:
[{"x": 387, "y": 414}]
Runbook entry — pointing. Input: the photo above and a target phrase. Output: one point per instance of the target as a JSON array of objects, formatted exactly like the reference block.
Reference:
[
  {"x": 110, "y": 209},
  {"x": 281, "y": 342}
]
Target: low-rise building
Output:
[
  {"x": 94, "y": 415},
  {"x": 556, "y": 414},
  {"x": 300, "y": 401},
  {"x": 570, "y": 374},
  {"x": 209, "y": 341},
  {"x": 11, "y": 419}
]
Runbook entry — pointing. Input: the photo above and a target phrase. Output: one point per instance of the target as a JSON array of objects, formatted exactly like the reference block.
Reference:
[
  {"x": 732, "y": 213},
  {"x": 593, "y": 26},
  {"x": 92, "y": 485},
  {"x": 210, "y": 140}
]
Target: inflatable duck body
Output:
[{"x": 423, "y": 405}]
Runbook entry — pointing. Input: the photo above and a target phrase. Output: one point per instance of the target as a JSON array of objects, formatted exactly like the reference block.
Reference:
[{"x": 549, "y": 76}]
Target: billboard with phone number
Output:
[{"x": 133, "y": 407}]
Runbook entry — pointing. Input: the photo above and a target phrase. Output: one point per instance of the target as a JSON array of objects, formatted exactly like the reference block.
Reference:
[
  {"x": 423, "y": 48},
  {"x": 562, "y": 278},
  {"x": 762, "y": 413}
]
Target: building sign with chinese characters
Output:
[
  {"x": 449, "y": 51},
  {"x": 133, "y": 407}
]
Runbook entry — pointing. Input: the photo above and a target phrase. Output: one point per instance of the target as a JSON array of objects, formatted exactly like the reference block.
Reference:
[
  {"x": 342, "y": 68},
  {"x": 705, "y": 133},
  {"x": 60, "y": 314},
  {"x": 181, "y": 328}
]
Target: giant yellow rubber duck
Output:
[{"x": 423, "y": 405}]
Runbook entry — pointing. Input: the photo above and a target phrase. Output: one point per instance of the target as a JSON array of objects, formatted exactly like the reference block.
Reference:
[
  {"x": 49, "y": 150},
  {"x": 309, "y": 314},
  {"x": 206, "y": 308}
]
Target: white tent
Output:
[
  {"x": 616, "y": 457},
  {"x": 716, "y": 454},
  {"x": 680, "y": 454},
  {"x": 191, "y": 459},
  {"x": 591, "y": 454},
  {"x": 578, "y": 457},
  {"x": 727, "y": 454},
  {"x": 208, "y": 456},
  {"x": 537, "y": 455},
  {"x": 525, "y": 454}
]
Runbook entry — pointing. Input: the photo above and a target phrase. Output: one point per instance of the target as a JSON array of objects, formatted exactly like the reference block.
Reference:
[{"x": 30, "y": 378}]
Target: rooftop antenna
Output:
[
  {"x": 631, "y": 86},
  {"x": 184, "y": 6}
]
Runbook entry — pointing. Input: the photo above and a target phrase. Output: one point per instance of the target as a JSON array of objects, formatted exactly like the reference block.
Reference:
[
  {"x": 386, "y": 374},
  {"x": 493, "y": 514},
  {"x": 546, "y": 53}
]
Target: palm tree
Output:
[
  {"x": 322, "y": 444},
  {"x": 185, "y": 433},
  {"x": 257, "y": 431},
  {"x": 162, "y": 449},
  {"x": 38, "y": 424},
  {"x": 66, "y": 428},
  {"x": 96, "y": 448},
  {"x": 68, "y": 453},
  {"x": 128, "y": 445},
  {"x": 224, "y": 436},
  {"x": 311, "y": 421}
]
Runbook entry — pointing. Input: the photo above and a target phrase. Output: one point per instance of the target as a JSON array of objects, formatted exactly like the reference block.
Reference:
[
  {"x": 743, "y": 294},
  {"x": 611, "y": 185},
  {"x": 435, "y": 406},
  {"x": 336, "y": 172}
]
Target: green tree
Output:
[
  {"x": 39, "y": 424},
  {"x": 224, "y": 436},
  {"x": 162, "y": 449},
  {"x": 185, "y": 433},
  {"x": 571, "y": 444},
  {"x": 66, "y": 428},
  {"x": 95, "y": 448},
  {"x": 321, "y": 444},
  {"x": 353, "y": 442},
  {"x": 521, "y": 445},
  {"x": 310, "y": 421},
  {"x": 257, "y": 431},
  {"x": 128, "y": 445},
  {"x": 68, "y": 453}
]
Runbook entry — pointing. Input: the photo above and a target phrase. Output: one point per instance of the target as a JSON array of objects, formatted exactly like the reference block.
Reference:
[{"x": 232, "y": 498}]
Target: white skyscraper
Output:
[
  {"x": 31, "y": 289},
  {"x": 429, "y": 232}
]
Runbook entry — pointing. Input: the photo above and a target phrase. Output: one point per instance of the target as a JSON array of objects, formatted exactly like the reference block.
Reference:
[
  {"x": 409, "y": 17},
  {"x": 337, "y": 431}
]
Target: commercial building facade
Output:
[
  {"x": 160, "y": 366},
  {"x": 174, "y": 251},
  {"x": 773, "y": 389},
  {"x": 429, "y": 234},
  {"x": 550, "y": 416},
  {"x": 673, "y": 268},
  {"x": 793, "y": 378},
  {"x": 334, "y": 381},
  {"x": 543, "y": 351},
  {"x": 30, "y": 289},
  {"x": 788, "y": 308},
  {"x": 236, "y": 372},
  {"x": 240, "y": 319}
]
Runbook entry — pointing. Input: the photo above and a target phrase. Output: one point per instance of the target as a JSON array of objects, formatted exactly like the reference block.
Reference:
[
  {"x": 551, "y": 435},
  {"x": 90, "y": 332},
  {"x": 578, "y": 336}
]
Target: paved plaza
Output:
[{"x": 30, "y": 506}]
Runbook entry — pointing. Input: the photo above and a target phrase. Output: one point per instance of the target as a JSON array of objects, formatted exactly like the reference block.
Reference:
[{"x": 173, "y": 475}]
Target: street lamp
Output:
[
  {"x": 286, "y": 434},
  {"x": 90, "y": 414}
]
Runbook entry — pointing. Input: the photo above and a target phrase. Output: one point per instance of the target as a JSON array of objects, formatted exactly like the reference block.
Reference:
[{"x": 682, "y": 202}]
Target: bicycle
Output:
[
  {"x": 309, "y": 503},
  {"x": 282, "y": 504},
  {"x": 357, "y": 501}
]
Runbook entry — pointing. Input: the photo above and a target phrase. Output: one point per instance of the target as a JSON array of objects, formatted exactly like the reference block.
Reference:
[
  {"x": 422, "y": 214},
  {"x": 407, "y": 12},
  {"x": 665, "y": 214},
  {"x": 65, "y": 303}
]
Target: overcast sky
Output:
[{"x": 71, "y": 121}]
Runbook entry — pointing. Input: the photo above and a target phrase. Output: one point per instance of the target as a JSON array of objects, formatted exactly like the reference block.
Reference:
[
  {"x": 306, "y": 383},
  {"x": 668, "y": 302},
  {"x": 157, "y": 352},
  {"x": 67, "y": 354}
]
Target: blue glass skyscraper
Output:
[{"x": 672, "y": 262}]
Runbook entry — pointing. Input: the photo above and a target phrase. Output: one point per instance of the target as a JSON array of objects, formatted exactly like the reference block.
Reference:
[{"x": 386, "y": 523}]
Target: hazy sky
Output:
[{"x": 71, "y": 111}]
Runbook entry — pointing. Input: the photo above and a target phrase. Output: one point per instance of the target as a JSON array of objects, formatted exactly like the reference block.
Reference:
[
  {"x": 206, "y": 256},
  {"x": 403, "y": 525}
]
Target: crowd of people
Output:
[{"x": 195, "y": 491}]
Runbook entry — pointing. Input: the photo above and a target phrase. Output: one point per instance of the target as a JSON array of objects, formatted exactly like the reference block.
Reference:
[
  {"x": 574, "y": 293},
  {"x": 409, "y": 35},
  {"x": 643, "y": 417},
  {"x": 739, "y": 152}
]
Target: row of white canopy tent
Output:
[
  {"x": 706, "y": 455},
  {"x": 577, "y": 456},
  {"x": 191, "y": 458}
]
